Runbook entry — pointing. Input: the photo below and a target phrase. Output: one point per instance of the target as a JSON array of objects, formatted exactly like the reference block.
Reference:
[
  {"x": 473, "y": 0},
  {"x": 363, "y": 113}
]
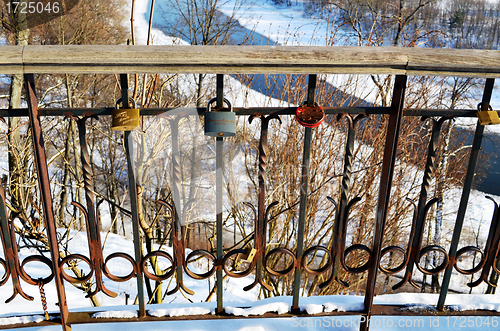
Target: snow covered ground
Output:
[{"x": 236, "y": 301}]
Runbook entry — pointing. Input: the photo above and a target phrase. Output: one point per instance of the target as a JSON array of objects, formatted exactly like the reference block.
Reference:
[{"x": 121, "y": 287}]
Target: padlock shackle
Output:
[
  {"x": 220, "y": 123},
  {"x": 479, "y": 106},
  {"x": 304, "y": 103},
  {"x": 120, "y": 100},
  {"x": 209, "y": 105}
]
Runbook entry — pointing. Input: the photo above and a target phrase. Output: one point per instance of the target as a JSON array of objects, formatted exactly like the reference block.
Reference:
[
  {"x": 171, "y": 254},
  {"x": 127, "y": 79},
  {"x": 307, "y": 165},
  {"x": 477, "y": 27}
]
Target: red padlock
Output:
[{"x": 310, "y": 117}]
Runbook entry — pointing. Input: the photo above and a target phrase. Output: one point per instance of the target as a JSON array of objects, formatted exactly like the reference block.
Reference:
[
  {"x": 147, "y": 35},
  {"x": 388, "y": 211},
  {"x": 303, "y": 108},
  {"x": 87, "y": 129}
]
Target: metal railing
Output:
[{"x": 402, "y": 62}]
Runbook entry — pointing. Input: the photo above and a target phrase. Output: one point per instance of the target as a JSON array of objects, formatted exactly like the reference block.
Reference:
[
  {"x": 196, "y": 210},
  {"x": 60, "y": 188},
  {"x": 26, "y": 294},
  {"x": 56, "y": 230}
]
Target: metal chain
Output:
[{"x": 44, "y": 300}]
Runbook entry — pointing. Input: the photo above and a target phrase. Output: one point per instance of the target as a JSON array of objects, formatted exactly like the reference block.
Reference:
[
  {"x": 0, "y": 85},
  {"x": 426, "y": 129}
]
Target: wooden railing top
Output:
[{"x": 249, "y": 59}]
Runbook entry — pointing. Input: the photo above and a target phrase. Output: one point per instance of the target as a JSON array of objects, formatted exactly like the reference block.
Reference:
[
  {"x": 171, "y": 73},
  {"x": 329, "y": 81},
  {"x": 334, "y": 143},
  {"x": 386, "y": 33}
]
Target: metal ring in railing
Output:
[
  {"x": 312, "y": 250},
  {"x": 157, "y": 278},
  {"x": 237, "y": 274},
  {"x": 465, "y": 250},
  {"x": 362, "y": 268},
  {"x": 35, "y": 281},
  {"x": 439, "y": 268},
  {"x": 391, "y": 271},
  {"x": 115, "y": 278},
  {"x": 7, "y": 272},
  {"x": 75, "y": 280},
  {"x": 200, "y": 252},
  {"x": 285, "y": 271}
]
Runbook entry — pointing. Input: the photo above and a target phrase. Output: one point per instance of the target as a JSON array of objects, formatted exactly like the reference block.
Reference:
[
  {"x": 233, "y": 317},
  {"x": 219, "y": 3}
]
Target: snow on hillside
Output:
[{"x": 282, "y": 24}]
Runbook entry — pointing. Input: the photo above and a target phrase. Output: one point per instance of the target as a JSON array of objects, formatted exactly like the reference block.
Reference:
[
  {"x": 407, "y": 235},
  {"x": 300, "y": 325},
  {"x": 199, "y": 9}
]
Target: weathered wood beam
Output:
[
  {"x": 11, "y": 60},
  {"x": 453, "y": 62},
  {"x": 248, "y": 59}
]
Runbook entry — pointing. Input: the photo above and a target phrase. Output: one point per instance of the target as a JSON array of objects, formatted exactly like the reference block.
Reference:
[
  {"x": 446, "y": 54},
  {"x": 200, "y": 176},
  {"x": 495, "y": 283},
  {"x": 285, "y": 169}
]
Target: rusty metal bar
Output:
[
  {"x": 45, "y": 195},
  {"x": 303, "y": 198},
  {"x": 464, "y": 200},
  {"x": 219, "y": 167},
  {"x": 391, "y": 144},
  {"x": 133, "y": 200},
  {"x": 241, "y": 111},
  {"x": 85, "y": 317}
]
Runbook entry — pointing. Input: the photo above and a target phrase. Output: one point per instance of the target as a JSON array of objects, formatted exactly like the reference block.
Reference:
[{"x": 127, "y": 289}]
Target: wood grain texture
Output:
[
  {"x": 249, "y": 59},
  {"x": 453, "y": 62},
  {"x": 11, "y": 59}
]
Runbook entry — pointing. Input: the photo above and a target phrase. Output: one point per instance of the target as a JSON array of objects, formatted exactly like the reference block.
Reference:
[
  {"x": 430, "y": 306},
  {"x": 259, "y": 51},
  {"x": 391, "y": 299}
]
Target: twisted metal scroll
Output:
[
  {"x": 178, "y": 262},
  {"x": 490, "y": 255},
  {"x": 262, "y": 212},
  {"x": 338, "y": 251},
  {"x": 96, "y": 262},
  {"x": 11, "y": 262},
  {"x": 414, "y": 251}
]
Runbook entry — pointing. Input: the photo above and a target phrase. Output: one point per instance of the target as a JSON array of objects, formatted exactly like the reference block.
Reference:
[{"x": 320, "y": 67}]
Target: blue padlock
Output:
[{"x": 220, "y": 123}]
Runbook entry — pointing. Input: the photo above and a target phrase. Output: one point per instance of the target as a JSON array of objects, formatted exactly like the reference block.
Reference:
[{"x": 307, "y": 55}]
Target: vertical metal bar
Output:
[
  {"x": 391, "y": 144},
  {"x": 304, "y": 182},
  {"x": 464, "y": 200},
  {"x": 133, "y": 200},
  {"x": 179, "y": 226},
  {"x": 311, "y": 90},
  {"x": 219, "y": 164},
  {"x": 346, "y": 179},
  {"x": 176, "y": 182},
  {"x": 260, "y": 228},
  {"x": 45, "y": 195},
  {"x": 219, "y": 101}
]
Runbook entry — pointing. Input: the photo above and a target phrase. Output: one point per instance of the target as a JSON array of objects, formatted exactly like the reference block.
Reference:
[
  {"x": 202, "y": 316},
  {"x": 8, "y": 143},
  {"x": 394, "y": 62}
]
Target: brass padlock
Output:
[
  {"x": 125, "y": 119},
  {"x": 488, "y": 117}
]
